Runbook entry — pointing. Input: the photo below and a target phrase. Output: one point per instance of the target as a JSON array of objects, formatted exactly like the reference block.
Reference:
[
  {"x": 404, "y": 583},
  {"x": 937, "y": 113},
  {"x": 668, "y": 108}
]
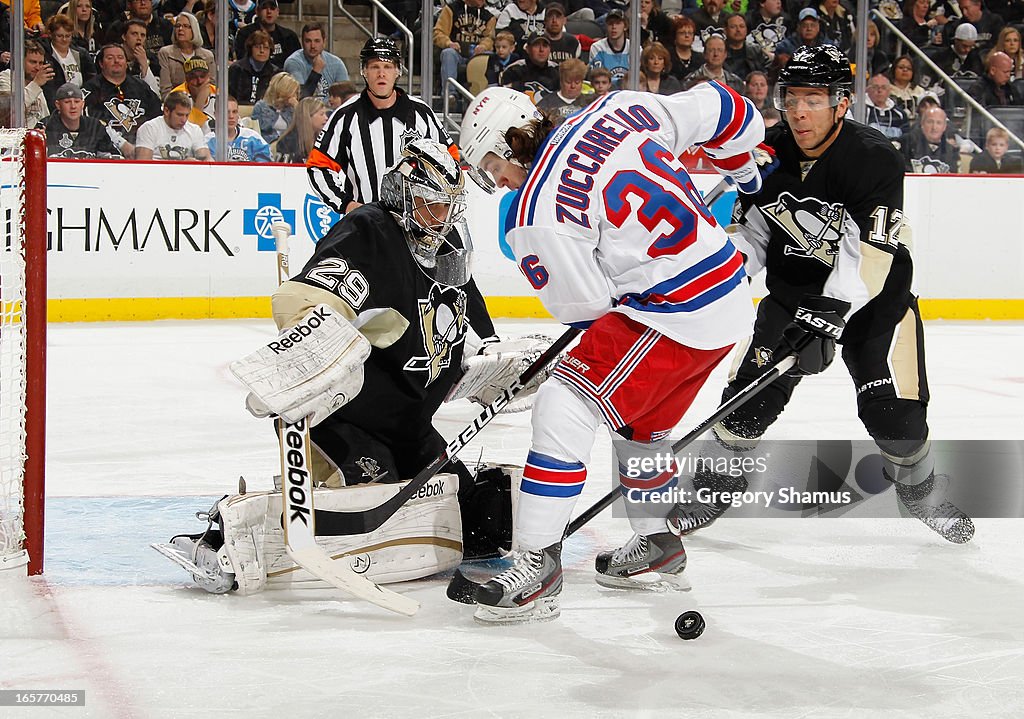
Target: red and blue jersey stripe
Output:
[
  {"x": 695, "y": 287},
  {"x": 546, "y": 476},
  {"x": 735, "y": 117}
]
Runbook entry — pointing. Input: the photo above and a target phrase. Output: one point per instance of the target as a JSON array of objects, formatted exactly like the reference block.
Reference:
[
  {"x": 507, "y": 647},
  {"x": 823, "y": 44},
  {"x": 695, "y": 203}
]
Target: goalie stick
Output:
[
  {"x": 297, "y": 498},
  {"x": 461, "y": 589}
]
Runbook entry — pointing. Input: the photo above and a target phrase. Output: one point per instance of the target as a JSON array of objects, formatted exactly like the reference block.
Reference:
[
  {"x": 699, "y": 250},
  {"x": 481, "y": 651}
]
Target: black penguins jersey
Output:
[
  {"x": 832, "y": 226},
  {"x": 365, "y": 261}
]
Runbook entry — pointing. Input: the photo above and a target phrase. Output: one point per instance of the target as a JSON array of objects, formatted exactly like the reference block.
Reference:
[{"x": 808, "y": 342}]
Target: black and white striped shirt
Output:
[{"x": 360, "y": 143}]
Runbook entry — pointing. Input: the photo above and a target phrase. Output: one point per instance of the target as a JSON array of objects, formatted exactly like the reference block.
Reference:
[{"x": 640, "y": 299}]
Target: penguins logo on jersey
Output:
[
  {"x": 769, "y": 34},
  {"x": 815, "y": 227},
  {"x": 370, "y": 468},
  {"x": 125, "y": 112},
  {"x": 442, "y": 318},
  {"x": 762, "y": 356},
  {"x": 928, "y": 166}
]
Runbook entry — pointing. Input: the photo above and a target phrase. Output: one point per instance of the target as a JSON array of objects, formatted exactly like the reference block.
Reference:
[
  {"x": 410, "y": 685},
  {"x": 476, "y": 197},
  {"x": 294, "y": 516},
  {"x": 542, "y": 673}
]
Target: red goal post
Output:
[{"x": 23, "y": 245}]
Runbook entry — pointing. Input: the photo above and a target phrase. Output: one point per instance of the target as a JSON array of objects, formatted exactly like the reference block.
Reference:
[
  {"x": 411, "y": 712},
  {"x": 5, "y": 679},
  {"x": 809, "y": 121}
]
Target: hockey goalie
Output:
[{"x": 372, "y": 339}]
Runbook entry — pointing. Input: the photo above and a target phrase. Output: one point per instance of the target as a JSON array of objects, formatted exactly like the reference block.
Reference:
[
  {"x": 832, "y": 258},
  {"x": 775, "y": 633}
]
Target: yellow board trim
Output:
[{"x": 204, "y": 308}]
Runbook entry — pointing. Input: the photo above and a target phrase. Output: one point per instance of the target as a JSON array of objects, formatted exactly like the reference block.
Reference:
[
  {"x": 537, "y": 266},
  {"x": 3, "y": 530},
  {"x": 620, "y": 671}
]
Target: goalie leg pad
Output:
[
  {"x": 423, "y": 538},
  {"x": 313, "y": 368}
]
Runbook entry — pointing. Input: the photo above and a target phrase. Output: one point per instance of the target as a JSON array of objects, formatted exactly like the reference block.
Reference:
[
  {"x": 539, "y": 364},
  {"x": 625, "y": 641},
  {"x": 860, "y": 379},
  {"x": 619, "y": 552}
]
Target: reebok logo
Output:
[
  {"x": 296, "y": 474},
  {"x": 300, "y": 331},
  {"x": 431, "y": 489}
]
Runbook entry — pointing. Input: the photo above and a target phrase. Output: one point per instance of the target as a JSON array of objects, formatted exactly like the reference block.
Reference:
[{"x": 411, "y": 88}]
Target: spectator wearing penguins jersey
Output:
[
  {"x": 535, "y": 74},
  {"x": 929, "y": 148},
  {"x": 70, "y": 133},
  {"x": 520, "y": 18},
  {"x": 464, "y": 29},
  {"x": 741, "y": 58},
  {"x": 569, "y": 99},
  {"x": 244, "y": 145},
  {"x": 122, "y": 102}
]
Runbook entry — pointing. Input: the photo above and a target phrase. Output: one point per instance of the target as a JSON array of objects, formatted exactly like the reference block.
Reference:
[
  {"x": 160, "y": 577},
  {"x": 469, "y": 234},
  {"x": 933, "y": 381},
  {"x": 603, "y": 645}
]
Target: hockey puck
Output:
[
  {"x": 690, "y": 625},
  {"x": 462, "y": 589}
]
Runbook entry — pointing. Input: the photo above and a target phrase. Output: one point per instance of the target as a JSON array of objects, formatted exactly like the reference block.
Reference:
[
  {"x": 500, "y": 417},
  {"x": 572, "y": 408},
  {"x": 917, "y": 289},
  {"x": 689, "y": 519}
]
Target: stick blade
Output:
[{"x": 338, "y": 574}]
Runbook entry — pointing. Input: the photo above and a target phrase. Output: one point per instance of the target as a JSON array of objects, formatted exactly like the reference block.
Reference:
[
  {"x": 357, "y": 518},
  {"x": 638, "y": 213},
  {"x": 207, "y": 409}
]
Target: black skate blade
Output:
[{"x": 462, "y": 589}]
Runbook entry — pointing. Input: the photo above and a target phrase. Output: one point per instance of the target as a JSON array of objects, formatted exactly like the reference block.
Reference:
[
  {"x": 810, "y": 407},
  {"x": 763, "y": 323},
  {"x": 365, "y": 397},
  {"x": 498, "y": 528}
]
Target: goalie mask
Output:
[
  {"x": 489, "y": 116},
  {"x": 426, "y": 193}
]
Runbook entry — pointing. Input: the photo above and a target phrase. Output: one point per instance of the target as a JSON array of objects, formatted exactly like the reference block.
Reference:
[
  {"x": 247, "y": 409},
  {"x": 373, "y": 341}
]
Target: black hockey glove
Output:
[{"x": 817, "y": 324}]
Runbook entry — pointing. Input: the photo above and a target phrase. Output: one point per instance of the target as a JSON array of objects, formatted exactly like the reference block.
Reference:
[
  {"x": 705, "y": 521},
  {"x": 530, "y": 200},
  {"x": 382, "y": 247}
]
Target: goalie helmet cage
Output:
[{"x": 22, "y": 349}]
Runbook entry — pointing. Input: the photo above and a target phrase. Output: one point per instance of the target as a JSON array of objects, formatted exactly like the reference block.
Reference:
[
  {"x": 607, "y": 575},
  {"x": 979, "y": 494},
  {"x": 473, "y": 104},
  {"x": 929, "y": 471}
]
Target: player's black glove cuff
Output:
[{"x": 817, "y": 324}]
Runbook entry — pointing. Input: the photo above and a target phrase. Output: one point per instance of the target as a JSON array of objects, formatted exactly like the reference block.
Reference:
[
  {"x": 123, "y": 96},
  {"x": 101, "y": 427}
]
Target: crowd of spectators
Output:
[
  {"x": 124, "y": 79},
  {"x": 744, "y": 43},
  {"x": 133, "y": 68}
]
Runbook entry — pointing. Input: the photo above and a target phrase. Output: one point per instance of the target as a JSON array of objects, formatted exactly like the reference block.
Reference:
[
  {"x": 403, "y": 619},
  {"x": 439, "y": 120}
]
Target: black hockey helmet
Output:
[
  {"x": 824, "y": 66},
  {"x": 380, "y": 48}
]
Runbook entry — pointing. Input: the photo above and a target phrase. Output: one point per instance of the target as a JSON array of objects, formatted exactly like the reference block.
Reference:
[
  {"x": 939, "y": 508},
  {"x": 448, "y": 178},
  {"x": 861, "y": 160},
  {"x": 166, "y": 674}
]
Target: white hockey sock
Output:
[
  {"x": 564, "y": 425},
  {"x": 646, "y": 472}
]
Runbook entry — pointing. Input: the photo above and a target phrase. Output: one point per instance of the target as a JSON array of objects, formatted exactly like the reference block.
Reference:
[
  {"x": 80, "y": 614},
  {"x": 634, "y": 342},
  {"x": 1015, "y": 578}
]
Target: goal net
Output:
[{"x": 22, "y": 347}]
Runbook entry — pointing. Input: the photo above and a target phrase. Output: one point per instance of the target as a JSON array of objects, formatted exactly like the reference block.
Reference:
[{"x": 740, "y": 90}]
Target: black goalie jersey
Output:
[
  {"x": 832, "y": 227},
  {"x": 364, "y": 261}
]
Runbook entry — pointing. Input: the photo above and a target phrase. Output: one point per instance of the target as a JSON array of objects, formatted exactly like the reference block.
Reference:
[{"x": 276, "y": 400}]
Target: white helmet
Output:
[{"x": 489, "y": 117}]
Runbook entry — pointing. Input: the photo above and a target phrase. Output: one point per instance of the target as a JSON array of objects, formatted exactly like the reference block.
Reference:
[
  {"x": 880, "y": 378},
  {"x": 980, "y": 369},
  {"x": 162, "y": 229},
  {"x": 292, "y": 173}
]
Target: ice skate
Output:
[
  {"x": 687, "y": 517},
  {"x": 653, "y": 562},
  {"x": 526, "y": 591},
  {"x": 194, "y": 554},
  {"x": 926, "y": 502}
]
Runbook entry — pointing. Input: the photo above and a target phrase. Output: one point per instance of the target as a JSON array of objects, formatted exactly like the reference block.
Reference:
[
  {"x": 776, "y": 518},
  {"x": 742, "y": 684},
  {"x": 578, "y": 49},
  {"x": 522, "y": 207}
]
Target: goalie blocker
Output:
[{"x": 244, "y": 548}]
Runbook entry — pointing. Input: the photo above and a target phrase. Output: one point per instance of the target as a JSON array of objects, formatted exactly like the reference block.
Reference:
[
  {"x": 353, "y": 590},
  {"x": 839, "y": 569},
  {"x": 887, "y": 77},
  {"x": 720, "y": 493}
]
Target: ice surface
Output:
[{"x": 836, "y": 618}]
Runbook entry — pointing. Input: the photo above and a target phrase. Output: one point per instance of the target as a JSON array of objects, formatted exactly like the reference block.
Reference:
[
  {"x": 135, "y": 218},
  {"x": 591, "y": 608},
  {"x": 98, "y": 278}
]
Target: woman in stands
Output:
[
  {"x": 296, "y": 142},
  {"x": 1009, "y": 42},
  {"x": 274, "y": 112},
  {"x": 905, "y": 89}
]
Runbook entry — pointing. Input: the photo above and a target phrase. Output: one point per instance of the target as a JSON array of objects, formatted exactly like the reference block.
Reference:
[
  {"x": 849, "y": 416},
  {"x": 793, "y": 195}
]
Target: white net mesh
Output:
[{"x": 12, "y": 346}]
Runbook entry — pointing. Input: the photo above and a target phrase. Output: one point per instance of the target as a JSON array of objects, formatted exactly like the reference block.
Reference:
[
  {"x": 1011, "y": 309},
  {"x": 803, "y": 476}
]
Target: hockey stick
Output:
[
  {"x": 343, "y": 523},
  {"x": 461, "y": 589},
  {"x": 781, "y": 366},
  {"x": 717, "y": 191},
  {"x": 297, "y": 497}
]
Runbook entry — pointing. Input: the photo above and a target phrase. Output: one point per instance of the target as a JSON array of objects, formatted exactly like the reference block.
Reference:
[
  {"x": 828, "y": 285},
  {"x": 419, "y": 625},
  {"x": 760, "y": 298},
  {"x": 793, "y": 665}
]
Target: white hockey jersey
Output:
[{"x": 609, "y": 220}]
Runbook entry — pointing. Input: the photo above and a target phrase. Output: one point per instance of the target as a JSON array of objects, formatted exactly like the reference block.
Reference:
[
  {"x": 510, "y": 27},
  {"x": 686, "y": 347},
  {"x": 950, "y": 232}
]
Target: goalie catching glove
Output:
[
  {"x": 313, "y": 368},
  {"x": 496, "y": 366}
]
